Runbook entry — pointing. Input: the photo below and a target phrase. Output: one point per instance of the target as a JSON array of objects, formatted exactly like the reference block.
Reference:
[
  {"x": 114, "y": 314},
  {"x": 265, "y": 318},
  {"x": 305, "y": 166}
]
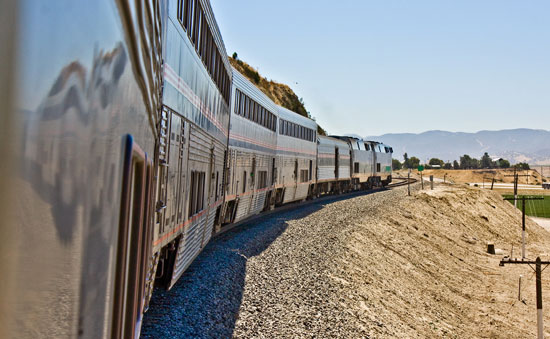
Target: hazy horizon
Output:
[{"x": 372, "y": 68}]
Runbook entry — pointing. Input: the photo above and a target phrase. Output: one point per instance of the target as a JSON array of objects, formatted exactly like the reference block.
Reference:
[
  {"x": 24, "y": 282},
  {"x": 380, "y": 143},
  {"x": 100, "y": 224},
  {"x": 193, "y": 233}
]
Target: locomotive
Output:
[{"x": 127, "y": 143}]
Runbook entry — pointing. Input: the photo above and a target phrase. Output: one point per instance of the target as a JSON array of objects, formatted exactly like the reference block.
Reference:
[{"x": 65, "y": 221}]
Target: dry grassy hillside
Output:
[{"x": 281, "y": 94}]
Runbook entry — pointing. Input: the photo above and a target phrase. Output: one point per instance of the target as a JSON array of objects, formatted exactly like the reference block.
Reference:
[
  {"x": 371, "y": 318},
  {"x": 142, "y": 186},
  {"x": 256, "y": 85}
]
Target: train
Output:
[{"x": 128, "y": 141}]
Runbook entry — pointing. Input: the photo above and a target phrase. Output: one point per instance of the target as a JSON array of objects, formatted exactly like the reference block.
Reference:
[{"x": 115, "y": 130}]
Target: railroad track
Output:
[{"x": 404, "y": 182}]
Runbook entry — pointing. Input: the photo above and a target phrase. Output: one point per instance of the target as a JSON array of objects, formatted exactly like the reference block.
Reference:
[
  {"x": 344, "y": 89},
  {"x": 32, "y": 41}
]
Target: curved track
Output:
[{"x": 404, "y": 182}]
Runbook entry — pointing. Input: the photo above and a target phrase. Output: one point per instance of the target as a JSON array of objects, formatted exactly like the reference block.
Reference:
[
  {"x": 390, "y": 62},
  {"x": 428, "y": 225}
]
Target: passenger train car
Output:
[
  {"x": 334, "y": 165},
  {"x": 296, "y": 157},
  {"x": 251, "y": 161},
  {"x": 128, "y": 141}
]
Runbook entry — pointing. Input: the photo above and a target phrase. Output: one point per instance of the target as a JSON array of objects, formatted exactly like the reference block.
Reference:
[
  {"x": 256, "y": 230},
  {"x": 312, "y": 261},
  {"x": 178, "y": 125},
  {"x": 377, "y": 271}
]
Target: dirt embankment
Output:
[{"x": 427, "y": 272}]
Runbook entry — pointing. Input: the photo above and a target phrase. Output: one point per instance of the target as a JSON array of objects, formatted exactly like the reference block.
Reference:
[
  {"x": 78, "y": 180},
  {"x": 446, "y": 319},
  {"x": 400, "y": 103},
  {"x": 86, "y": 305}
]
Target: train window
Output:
[
  {"x": 188, "y": 8},
  {"x": 208, "y": 50},
  {"x": 377, "y": 167},
  {"x": 244, "y": 181},
  {"x": 203, "y": 39},
  {"x": 197, "y": 32},
  {"x": 304, "y": 175},
  {"x": 237, "y": 99},
  {"x": 242, "y": 103},
  {"x": 281, "y": 123},
  {"x": 213, "y": 60},
  {"x": 196, "y": 192},
  {"x": 356, "y": 167},
  {"x": 367, "y": 147},
  {"x": 180, "y": 11},
  {"x": 262, "y": 179}
]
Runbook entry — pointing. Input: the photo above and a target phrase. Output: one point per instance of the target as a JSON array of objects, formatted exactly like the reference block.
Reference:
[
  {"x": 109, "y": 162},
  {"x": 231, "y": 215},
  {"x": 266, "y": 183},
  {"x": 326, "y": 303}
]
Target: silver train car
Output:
[
  {"x": 296, "y": 157},
  {"x": 120, "y": 162},
  {"x": 370, "y": 162},
  {"x": 381, "y": 162},
  {"x": 117, "y": 133},
  {"x": 333, "y": 166},
  {"x": 251, "y": 161},
  {"x": 193, "y": 132}
]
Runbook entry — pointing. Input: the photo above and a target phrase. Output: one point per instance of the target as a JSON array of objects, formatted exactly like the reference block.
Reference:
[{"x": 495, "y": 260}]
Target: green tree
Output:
[
  {"x": 396, "y": 164},
  {"x": 503, "y": 163},
  {"x": 414, "y": 162},
  {"x": 235, "y": 56},
  {"x": 486, "y": 161},
  {"x": 466, "y": 162},
  {"x": 448, "y": 166},
  {"x": 436, "y": 161},
  {"x": 406, "y": 162},
  {"x": 522, "y": 166},
  {"x": 456, "y": 165}
]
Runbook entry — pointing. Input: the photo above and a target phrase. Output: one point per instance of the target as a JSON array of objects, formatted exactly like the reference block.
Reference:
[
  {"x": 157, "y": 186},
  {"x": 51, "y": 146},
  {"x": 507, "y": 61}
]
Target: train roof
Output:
[
  {"x": 296, "y": 118},
  {"x": 324, "y": 140}
]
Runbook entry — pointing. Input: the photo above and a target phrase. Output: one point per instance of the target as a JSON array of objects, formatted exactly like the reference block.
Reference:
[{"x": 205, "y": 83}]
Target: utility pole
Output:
[
  {"x": 523, "y": 199},
  {"x": 492, "y": 182},
  {"x": 538, "y": 272},
  {"x": 516, "y": 176}
]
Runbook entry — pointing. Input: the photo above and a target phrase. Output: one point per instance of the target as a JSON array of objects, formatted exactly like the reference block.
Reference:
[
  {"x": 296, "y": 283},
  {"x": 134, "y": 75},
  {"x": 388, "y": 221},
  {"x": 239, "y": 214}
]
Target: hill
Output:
[
  {"x": 281, "y": 94},
  {"x": 516, "y": 145}
]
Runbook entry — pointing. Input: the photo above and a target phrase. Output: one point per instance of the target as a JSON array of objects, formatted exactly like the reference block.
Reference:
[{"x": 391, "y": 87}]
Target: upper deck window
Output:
[
  {"x": 253, "y": 111},
  {"x": 193, "y": 20},
  {"x": 296, "y": 131}
]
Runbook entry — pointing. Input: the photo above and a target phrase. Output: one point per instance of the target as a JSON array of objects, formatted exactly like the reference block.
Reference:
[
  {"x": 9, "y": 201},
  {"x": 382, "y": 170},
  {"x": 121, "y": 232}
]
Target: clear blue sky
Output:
[{"x": 374, "y": 67}]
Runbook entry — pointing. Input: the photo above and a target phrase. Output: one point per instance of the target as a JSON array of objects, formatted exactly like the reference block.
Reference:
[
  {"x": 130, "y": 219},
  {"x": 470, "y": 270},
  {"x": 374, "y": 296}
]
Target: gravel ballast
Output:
[{"x": 382, "y": 265}]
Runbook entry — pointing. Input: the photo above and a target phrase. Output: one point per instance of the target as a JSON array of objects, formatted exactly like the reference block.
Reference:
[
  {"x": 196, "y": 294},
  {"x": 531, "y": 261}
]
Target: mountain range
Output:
[{"x": 516, "y": 145}]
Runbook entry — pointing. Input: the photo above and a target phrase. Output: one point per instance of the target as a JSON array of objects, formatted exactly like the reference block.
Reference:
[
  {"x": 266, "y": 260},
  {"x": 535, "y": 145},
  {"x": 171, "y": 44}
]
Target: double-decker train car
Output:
[
  {"x": 251, "y": 158},
  {"x": 296, "y": 156},
  {"x": 118, "y": 143},
  {"x": 193, "y": 136},
  {"x": 85, "y": 95},
  {"x": 333, "y": 165}
]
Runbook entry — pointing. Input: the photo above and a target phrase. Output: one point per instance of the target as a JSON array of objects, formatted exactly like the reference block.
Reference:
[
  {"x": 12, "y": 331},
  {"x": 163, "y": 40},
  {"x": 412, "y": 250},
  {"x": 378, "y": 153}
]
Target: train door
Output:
[
  {"x": 182, "y": 170},
  {"x": 172, "y": 177},
  {"x": 163, "y": 148}
]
